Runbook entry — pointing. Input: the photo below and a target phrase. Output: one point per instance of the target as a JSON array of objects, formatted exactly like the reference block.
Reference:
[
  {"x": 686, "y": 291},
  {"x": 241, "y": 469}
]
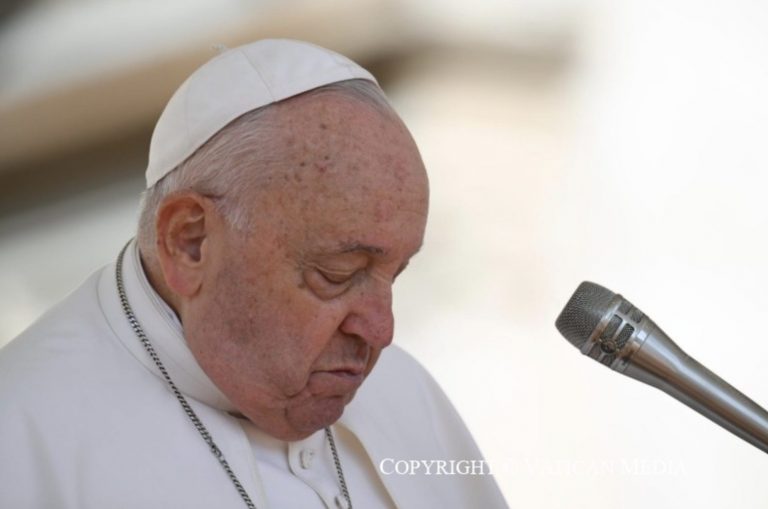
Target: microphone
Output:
[{"x": 608, "y": 328}]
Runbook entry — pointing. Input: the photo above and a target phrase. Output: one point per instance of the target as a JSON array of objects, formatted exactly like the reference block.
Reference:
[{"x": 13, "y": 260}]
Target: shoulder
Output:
[
  {"x": 401, "y": 414},
  {"x": 57, "y": 350},
  {"x": 399, "y": 379},
  {"x": 395, "y": 362},
  {"x": 401, "y": 392}
]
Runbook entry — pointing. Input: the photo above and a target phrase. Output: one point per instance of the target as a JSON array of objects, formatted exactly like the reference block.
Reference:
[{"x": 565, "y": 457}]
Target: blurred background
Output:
[{"x": 621, "y": 142}]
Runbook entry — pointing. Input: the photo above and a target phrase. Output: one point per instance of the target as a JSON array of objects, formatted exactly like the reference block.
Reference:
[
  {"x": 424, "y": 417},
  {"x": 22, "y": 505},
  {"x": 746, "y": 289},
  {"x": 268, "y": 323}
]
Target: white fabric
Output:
[
  {"x": 235, "y": 82},
  {"x": 87, "y": 422},
  {"x": 312, "y": 484}
]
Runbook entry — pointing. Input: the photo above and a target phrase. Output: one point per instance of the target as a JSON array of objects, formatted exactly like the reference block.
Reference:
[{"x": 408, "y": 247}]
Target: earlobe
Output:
[{"x": 181, "y": 226}]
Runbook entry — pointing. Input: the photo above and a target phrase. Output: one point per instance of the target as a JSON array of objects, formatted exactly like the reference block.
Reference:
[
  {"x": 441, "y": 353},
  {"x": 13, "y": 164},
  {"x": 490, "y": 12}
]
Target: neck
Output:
[{"x": 157, "y": 281}]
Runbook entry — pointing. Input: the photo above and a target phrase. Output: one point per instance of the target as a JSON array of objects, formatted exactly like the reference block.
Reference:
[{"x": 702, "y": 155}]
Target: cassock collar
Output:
[{"x": 163, "y": 329}]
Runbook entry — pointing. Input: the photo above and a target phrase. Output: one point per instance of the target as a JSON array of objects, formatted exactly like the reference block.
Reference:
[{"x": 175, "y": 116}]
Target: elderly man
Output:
[{"x": 234, "y": 355}]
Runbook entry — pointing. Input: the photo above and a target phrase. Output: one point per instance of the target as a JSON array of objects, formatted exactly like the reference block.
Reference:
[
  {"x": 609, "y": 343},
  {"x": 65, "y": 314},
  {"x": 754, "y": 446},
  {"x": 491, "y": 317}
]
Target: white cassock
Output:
[{"x": 86, "y": 421}]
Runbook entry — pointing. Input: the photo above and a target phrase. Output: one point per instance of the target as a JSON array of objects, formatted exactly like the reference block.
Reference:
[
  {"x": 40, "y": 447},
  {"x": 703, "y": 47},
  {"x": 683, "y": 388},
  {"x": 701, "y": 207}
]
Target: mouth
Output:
[
  {"x": 343, "y": 379},
  {"x": 350, "y": 374}
]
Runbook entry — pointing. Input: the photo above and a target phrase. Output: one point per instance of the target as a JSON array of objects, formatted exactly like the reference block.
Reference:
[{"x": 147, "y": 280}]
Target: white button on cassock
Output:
[
  {"x": 341, "y": 502},
  {"x": 305, "y": 458}
]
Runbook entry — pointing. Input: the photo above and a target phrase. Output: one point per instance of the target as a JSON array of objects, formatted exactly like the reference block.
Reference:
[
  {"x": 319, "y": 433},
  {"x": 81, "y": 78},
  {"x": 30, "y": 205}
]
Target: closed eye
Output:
[
  {"x": 328, "y": 284},
  {"x": 336, "y": 278}
]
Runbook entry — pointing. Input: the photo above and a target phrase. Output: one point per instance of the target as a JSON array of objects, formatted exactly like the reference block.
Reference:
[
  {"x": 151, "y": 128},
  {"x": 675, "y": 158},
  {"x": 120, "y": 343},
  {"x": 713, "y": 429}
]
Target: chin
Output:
[{"x": 315, "y": 415}]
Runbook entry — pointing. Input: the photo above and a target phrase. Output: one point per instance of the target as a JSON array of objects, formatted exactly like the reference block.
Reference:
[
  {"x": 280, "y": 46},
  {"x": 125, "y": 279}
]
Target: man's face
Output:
[{"x": 292, "y": 317}]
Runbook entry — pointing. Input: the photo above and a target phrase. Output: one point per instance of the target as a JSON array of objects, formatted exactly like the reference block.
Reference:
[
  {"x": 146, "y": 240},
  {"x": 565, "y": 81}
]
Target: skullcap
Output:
[{"x": 235, "y": 82}]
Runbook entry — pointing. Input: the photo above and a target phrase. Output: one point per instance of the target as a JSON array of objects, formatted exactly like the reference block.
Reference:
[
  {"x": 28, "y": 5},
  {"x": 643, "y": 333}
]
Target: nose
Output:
[{"x": 370, "y": 317}]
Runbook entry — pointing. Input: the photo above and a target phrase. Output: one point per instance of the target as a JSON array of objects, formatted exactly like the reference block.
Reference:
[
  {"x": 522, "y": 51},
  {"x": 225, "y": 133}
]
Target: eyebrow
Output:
[{"x": 366, "y": 248}]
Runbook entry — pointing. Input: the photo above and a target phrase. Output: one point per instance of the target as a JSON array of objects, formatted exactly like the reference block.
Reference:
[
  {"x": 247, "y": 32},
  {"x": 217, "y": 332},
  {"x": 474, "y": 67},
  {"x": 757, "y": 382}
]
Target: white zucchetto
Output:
[{"x": 233, "y": 83}]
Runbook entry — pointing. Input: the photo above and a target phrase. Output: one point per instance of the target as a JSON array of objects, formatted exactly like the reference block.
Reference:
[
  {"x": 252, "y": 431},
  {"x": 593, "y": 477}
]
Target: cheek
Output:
[
  {"x": 267, "y": 333},
  {"x": 304, "y": 327}
]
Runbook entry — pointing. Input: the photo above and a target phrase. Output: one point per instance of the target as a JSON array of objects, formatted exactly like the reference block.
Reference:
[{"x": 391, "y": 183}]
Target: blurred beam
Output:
[{"x": 102, "y": 107}]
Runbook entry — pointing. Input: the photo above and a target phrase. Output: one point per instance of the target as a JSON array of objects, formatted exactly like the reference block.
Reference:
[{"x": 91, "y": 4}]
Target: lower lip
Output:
[{"x": 346, "y": 377}]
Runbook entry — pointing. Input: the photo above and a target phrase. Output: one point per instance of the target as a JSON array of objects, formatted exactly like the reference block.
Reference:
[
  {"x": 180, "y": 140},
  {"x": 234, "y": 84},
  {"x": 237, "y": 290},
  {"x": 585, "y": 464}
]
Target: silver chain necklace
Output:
[{"x": 204, "y": 433}]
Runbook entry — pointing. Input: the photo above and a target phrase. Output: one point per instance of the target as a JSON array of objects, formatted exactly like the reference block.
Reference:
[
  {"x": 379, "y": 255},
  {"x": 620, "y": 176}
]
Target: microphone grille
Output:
[{"x": 583, "y": 312}]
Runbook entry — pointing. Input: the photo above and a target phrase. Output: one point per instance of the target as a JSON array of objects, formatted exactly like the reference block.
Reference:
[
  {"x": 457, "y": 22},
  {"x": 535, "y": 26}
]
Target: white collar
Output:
[{"x": 165, "y": 332}]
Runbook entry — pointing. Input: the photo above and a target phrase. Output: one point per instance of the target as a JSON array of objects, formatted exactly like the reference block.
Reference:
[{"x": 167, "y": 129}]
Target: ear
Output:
[{"x": 184, "y": 223}]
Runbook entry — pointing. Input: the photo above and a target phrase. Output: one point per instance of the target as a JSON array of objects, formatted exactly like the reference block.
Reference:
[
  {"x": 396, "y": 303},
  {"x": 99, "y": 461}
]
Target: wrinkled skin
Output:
[{"x": 288, "y": 320}]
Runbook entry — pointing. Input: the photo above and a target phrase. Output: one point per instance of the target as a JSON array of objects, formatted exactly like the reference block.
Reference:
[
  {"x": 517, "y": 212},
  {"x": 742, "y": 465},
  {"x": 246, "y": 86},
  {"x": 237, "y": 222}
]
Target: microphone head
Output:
[{"x": 583, "y": 312}]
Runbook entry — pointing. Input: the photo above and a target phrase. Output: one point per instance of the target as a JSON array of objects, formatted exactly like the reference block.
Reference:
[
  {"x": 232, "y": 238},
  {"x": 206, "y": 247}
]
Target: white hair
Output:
[{"x": 228, "y": 165}]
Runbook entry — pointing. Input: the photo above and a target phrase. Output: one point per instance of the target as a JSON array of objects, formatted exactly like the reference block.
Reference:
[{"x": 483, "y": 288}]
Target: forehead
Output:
[
  {"x": 345, "y": 169},
  {"x": 345, "y": 128}
]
